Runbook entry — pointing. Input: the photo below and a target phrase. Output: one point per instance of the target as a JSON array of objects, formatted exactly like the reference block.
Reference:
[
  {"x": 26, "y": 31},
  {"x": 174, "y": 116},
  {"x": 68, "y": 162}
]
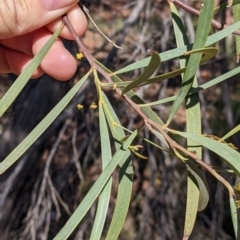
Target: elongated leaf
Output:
[
  {"x": 104, "y": 197},
  {"x": 204, "y": 25},
  {"x": 148, "y": 72},
  {"x": 208, "y": 54},
  {"x": 206, "y": 85},
  {"x": 197, "y": 192},
  {"x": 230, "y": 155},
  {"x": 123, "y": 200},
  {"x": 177, "y": 52},
  {"x": 160, "y": 137},
  {"x": 200, "y": 191},
  {"x": 235, "y": 218},
  {"x": 202, "y": 197},
  {"x": 232, "y": 132},
  {"x": 40, "y": 128},
  {"x": 195, "y": 184},
  {"x": 236, "y": 15},
  {"x": 23, "y": 78},
  {"x": 146, "y": 110},
  {"x": 125, "y": 176},
  {"x": 80, "y": 212},
  {"x": 113, "y": 119}
]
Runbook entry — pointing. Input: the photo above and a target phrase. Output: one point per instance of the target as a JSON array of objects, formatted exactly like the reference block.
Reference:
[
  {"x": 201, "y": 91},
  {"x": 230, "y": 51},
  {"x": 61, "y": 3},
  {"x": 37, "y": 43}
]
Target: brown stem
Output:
[
  {"x": 196, "y": 12},
  {"x": 78, "y": 41},
  {"x": 148, "y": 121}
]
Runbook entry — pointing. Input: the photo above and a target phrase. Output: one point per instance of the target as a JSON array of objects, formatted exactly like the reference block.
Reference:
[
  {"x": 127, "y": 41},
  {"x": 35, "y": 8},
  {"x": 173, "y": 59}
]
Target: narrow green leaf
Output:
[
  {"x": 206, "y": 85},
  {"x": 193, "y": 194},
  {"x": 123, "y": 200},
  {"x": 177, "y": 52},
  {"x": 104, "y": 197},
  {"x": 125, "y": 176},
  {"x": 146, "y": 110},
  {"x": 195, "y": 184},
  {"x": 148, "y": 72},
  {"x": 23, "y": 78},
  {"x": 236, "y": 15},
  {"x": 97, "y": 187},
  {"x": 232, "y": 132},
  {"x": 208, "y": 52},
  {"x": 216, "y": 80},
  {"x": 161, "y": 138},
  {"x": 113, "y": 119},
  {"x": 235, "y": 218},
  {"x": 200, "y": 191},
  {"x": 41, "y": 127},
  {"x": 164, "y": 76},
  {"x": 204, "y": 25},
  {"x": 196, "y": 177},
  {"x": 105, "y": 138},
  {"x": 197, "y": 195},
  {"x": 230, "y": 155},
  {"x": 197, "y": 192}
]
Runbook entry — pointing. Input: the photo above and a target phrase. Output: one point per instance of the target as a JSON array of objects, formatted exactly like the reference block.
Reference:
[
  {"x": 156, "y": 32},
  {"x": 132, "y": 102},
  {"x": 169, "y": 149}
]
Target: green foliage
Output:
[
  {"x": 144, "y": 77},
  {"x": 111, "y": 129},
  {"x": 236, "y": 14},
  {"x": 202, "y": 33},
  {"x": 105, "y": 194},
  {"x": 197, "y": 193},
  {"x": 22, "y": 80}
]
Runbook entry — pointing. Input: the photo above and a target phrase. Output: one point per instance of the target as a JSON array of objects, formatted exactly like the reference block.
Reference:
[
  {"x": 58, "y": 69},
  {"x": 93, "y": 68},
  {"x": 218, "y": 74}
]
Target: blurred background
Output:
[{"x": 41, "y": 191}]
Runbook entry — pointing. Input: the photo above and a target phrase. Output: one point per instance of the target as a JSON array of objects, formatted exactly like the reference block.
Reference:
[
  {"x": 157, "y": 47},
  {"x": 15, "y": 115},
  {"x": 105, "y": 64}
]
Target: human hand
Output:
[{"x": 26, "y": 25}]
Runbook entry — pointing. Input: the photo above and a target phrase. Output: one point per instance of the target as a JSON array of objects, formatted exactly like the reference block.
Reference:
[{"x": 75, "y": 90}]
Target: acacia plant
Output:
[{"x": 190, "y": 56}]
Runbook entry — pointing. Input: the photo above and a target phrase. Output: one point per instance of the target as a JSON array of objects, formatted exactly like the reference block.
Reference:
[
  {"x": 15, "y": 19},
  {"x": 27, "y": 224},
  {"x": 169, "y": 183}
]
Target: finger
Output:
[
  {"x": 78, "y": 20},
  {"x": 58, "y": 62},
  {"x": 12, "y": 61},
  {"x": 22, "y": 16},
  {"x": 23, "y": 43}
]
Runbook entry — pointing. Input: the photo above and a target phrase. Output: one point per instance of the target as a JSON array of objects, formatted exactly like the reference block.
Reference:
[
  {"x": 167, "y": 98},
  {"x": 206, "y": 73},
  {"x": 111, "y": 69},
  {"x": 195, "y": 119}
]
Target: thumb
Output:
[{"x": 22, "y": 16}]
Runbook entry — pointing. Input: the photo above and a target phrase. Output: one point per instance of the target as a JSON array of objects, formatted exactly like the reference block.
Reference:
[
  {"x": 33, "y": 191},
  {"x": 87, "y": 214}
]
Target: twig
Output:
[
  {"x": 230, "y": 2},
  {"x": 196, "y": 12},
  {"x": 148, "y": 122},
  {"x": 95, "y": 25},
  {"x": 48, "y": 220},
  {"x": 79, "y": 42},
  {"x": 76, "y": 156},
  {"x": 57, "y": 197},
  {"x": 34, "y": 216}
]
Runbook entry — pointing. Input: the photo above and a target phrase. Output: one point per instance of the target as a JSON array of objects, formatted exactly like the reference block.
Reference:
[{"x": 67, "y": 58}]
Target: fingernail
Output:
[{"x": 52, "y": 5}]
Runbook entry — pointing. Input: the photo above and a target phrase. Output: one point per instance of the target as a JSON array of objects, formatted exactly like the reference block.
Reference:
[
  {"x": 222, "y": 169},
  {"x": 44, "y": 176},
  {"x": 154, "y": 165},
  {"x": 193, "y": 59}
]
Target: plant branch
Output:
[
  {"x": 148, "y": 122},
  {"x": 95, "y": 25},
  {"x": 196, "y": 12},
  {"x": 79, "y": 42}
]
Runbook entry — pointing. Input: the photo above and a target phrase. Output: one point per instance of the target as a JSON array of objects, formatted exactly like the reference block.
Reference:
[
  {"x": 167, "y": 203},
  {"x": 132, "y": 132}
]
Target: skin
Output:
[{"x": 19, "y": 46}]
